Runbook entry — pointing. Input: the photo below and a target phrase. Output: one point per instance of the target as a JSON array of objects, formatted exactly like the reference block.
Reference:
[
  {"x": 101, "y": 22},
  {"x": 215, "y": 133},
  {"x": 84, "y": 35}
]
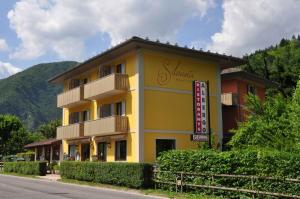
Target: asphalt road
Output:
[{"x": 12, "y": 187}]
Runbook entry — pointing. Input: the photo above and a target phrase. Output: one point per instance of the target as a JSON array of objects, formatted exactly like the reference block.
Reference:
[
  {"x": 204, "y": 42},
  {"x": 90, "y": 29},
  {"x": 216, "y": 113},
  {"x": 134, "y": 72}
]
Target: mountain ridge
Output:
[{"x": 29, "y": 95}]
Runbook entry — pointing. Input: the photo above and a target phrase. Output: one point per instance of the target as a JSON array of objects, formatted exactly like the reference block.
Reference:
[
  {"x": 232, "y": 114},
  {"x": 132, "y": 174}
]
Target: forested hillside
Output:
[
  {"x": 29, "y": 96},
  {"x": 279, "y": 63}
]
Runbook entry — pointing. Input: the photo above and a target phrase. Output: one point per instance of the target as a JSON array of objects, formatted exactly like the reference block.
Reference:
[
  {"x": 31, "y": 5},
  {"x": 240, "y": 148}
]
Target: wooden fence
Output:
[
  {"x": 1, "y": 166},
  {"x": 180, "y": 181}
]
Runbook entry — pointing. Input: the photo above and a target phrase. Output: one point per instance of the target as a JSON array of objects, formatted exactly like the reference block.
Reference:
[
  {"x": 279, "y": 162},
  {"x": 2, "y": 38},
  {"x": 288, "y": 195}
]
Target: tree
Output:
[
  {"x": 273, "y": 124},
  {"x": 280, "y": 64},
  {"x": 8, "y": 125},
  {"x": 13, "y": 135},
  {"x": 48, "y": 130},
  {"x": 268, "y": 125}
]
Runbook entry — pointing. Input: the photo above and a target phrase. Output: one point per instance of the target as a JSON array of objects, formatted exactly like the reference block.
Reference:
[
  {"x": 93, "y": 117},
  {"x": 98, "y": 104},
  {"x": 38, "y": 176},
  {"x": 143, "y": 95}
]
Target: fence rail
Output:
[
  {"x": 180, "y": 177},
  {"x": 1, "y": 166}
]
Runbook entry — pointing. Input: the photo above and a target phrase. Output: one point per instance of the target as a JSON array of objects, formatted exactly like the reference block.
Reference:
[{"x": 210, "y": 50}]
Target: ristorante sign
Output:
[{"x": 201, "y": 117}]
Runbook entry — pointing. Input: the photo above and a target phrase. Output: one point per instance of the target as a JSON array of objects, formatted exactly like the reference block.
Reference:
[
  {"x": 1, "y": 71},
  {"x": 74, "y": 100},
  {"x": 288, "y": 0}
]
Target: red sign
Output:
[{"x": 200, "y": 109}]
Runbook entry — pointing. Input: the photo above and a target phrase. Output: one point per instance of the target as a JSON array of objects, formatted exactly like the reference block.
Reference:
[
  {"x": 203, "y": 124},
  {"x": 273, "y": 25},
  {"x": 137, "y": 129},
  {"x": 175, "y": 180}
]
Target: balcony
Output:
[
  {"x": 229, "y": 99},
  {"x": 105, "y": 126},
  {"x": 70, "y": 131},
  {"x": 70, "y": 98},
  {"x": 109, "y": 85}
]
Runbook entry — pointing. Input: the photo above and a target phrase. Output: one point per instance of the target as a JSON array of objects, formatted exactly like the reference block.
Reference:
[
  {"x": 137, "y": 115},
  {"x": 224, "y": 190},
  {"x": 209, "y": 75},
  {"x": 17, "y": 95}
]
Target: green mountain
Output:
[
  {"x": 29, "y": 96},
  {"x": 279, "y": 63}
]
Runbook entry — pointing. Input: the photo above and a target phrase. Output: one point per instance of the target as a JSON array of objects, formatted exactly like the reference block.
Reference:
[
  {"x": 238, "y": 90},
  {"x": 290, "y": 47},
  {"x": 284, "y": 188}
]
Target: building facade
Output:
[
  {"x": 135, "y": 100},
  {"x": 236, "y": 85}
]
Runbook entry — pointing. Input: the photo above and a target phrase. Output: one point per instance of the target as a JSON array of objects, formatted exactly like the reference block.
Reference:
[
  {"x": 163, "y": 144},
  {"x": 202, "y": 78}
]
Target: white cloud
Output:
[
  {"x": 7, "y": 69},
  {"x": 3, "y": 45},
  {"x": 62, "y": 26},
  {"x": 249, "y": 25}
]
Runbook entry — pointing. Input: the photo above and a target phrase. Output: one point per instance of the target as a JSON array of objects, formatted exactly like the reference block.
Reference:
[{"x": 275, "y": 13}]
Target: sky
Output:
[{"x": 41, "y": 31}]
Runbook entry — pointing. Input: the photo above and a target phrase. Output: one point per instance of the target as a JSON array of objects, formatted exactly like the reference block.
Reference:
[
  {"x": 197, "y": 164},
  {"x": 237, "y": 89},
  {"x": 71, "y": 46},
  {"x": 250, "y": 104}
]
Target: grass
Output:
[{"x": 154, "y": 192}]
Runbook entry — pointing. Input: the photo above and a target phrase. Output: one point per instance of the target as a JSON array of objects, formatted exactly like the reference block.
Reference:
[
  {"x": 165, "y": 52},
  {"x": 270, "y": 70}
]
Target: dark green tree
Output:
[
  {"x": 280, "y": 63},
  {"x": 13, "y": 135},
  {"x": 48, "y": 130}
]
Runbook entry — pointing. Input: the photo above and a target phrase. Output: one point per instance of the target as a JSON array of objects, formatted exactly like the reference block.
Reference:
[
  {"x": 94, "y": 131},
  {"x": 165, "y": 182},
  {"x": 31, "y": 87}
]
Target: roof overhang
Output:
[
  {"x": 137, "y": 43},
  {"x": 244, "y": 75},
  {"x": 43, "y": 143}
]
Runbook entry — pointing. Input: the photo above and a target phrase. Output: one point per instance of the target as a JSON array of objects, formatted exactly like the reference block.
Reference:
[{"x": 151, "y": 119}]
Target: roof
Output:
[
  {"x": 135, "y": 43},
  {"x": 48, "y": 142},
  {"x": 238, "y": 73}
]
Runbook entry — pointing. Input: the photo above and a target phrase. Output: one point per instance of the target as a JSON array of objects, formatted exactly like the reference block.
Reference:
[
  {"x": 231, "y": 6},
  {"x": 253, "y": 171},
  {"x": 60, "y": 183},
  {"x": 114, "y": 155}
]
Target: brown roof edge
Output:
[
  {"x": 237, "y": 73},
  {"x": 43, "y": 143},
  {"x": 139, "y": 42}
]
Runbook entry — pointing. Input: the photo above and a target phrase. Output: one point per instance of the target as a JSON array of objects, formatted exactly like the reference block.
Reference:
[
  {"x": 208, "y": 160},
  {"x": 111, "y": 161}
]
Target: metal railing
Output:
[{"x": 182, "y": 180}]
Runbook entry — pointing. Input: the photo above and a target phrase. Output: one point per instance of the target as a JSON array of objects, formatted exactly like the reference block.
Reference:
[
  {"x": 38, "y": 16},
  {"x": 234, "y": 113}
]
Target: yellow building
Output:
[{"x": 135, "y": 100}]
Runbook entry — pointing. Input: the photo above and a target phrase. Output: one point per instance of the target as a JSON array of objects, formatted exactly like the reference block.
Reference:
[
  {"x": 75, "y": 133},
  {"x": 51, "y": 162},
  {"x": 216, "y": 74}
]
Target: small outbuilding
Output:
[{"x": 46, "y": 150}]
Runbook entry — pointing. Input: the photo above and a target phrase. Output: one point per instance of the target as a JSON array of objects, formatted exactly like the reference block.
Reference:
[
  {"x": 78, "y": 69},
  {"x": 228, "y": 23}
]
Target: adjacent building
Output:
[
  {"x": 236, "y": 85},
  {"x": 134, "y": 101}
]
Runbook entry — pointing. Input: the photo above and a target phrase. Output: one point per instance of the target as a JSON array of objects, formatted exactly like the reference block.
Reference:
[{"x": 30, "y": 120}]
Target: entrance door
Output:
[
  {"x": 85, "y": 152},
  {"x": 102, "y": 151}
]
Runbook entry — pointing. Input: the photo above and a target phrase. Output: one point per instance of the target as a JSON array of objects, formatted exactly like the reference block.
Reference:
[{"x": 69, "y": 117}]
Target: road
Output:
[{"x": 12, "y": 187}]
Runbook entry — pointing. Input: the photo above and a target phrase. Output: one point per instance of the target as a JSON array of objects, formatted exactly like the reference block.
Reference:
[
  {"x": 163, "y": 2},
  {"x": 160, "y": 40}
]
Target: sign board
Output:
[{"x": 201, "y": 115}]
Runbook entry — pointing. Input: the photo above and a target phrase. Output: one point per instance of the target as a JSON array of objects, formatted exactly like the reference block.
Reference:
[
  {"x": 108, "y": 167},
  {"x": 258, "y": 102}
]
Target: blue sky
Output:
[{"x": 38, "y": 31}]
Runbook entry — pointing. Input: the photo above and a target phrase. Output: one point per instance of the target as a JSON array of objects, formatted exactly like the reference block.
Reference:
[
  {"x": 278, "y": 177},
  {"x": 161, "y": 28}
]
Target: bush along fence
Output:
[
  {"x": 235, "y": 173},
  {"x": 135, "y": 175},
  {"x": 27, "y": 168}
]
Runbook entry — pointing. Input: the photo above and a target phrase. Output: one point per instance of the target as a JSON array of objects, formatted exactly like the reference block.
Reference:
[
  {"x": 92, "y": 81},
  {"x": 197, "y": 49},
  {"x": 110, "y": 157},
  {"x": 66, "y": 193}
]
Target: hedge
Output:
[
  {"x": 28, "y": 168},
  {"x": 244, "y": 162},
  {"x": 135, "y": 175}
]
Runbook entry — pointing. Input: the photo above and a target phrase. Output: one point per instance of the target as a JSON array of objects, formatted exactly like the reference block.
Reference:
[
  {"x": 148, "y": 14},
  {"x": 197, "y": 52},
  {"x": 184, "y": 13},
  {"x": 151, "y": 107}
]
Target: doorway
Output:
[
  {"x": 85, "y": 152},
  {"x": 102, "y": 151}
]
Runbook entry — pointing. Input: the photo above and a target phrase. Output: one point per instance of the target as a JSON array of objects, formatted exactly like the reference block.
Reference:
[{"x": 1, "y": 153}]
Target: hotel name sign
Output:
[{"x": 171, "y": 70}]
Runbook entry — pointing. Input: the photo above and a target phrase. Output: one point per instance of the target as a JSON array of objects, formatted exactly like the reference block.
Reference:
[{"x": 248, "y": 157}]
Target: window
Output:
[
  {"x": 72, "y": 151},
  {"x": 164, "y": 145},
  {"x": 120, "y": 108},
  {"x": 74, "y": 83},
  {"x": 121, "y": 150},
  {"x": 120, "y": 68},
  {"x": 251, "y": 89},
  {"x": 102, "y": 151},
  {"x": 74, "y": 118},
  {"x": 105, "y": 110},
  {"x": 84, "y": 80},
  {"x": 85, "y": 115},
  {"x": 104, "y": 71}
]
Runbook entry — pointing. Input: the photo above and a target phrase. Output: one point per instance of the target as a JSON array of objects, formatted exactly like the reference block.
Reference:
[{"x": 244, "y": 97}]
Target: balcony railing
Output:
[
  {"x": 71, "y": 97},
  {"x": 109, "y": 85},
  {"x": 70, "y": 131},
  {"x": 229, "y": 99},
  {"x": 105, "y": 126}
]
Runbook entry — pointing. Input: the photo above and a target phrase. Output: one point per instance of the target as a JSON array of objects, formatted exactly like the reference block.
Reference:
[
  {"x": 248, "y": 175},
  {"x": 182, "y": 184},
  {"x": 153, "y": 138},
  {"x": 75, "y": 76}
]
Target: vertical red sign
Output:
[{"x": 200, "y": 110}]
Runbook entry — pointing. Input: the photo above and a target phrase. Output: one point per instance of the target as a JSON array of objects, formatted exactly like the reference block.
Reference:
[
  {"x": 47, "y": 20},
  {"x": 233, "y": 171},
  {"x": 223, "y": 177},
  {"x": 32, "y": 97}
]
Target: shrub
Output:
[
  {"x": 28, "y": 168},
  {"x": 135, "y": 175},
  {"x": 242, "y": 162}
]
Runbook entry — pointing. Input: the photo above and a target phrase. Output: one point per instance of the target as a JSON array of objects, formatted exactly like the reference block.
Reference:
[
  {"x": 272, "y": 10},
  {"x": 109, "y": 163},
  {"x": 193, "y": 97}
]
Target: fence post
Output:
[
  {"x": 252, "y": 187},
  {"x": 176, "y": 182},
  {"x": 212, "y": 183},
  {"x": 181, "y": 181}
]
